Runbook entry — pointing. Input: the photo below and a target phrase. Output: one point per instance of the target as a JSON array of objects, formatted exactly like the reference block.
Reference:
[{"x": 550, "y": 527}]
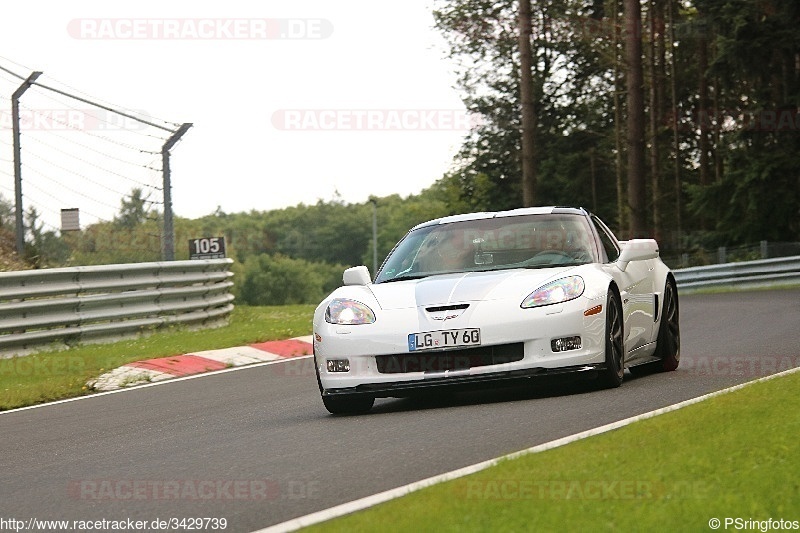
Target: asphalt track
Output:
[{"x": 255, "y": 446}]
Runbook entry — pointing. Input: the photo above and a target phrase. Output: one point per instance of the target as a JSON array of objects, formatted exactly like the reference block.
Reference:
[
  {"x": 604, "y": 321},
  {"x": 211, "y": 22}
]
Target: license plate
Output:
[{"x": 446, "y": 338}]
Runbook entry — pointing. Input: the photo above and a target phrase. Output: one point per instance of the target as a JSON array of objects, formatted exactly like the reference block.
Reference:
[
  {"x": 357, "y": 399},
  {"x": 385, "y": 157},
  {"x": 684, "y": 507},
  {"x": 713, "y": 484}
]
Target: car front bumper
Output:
[
  {"x": 455, "y": 381},
  {"x": 533, "y": 329}
]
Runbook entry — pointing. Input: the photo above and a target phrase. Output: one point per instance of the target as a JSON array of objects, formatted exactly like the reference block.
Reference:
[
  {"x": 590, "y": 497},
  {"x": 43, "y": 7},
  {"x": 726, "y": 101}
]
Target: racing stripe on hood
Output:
[{"x": 455, "y": 288}]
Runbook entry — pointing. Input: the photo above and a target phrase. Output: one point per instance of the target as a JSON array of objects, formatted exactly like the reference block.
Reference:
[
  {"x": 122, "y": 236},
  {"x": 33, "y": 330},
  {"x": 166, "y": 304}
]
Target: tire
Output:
[
  {"x": 611, "y": 376},
  {"x": 668, "y": 342},
  {"x": 348, "y": 405}
]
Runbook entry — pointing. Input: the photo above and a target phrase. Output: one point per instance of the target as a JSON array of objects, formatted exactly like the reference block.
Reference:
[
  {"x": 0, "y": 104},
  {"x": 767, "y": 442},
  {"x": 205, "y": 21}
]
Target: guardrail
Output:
[
  {"x": 40, "y": 307},
  {"x": 729, "y": 254},
  {"x": 783, "y": 270}
]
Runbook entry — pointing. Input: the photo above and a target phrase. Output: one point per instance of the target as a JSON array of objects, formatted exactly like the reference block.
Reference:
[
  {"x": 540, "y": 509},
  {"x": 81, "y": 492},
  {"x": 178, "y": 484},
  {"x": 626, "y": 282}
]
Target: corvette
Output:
[{"x": 485, "y": 298}]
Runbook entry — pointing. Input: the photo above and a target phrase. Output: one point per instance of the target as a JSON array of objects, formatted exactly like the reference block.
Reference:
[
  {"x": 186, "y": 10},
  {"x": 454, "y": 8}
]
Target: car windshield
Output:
[{"x": 525, "y": 241}]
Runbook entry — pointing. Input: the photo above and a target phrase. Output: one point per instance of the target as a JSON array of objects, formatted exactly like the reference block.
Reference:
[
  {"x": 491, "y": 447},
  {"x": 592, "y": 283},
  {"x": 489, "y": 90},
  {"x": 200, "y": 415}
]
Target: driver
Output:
[{"x": 445, "y": 250}]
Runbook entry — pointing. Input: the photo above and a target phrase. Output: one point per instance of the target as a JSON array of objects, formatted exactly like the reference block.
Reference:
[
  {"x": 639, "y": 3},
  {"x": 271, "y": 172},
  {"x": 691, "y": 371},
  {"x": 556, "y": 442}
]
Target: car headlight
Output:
[
  {"x": 343, "y": 311},
  {"x": 555, "y": 292}
]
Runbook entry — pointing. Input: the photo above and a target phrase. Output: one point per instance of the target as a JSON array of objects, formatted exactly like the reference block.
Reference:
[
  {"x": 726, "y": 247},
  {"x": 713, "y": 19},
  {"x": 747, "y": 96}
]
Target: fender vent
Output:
[{"x": 655, "y": 314}]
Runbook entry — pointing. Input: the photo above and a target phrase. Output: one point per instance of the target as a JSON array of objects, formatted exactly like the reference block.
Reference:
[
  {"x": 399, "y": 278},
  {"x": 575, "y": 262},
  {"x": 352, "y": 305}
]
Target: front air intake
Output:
[
  {"x": 441, "y": 360},
  {"x": 440, "y": 308}
]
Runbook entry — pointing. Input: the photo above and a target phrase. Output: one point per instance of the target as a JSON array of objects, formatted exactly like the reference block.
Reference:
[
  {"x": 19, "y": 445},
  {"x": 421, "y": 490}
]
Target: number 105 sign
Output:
[{"x": 207, "y": 248}]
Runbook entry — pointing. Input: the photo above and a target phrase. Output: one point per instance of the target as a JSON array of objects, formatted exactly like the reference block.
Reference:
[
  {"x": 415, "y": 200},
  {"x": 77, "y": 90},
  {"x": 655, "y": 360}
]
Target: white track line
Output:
[{"x": 375, "y": 499}]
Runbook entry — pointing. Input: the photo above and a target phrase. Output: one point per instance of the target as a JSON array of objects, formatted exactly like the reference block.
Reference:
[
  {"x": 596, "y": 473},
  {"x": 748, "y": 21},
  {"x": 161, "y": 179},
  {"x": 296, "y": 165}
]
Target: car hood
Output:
[{"x": 463, "y": 287}]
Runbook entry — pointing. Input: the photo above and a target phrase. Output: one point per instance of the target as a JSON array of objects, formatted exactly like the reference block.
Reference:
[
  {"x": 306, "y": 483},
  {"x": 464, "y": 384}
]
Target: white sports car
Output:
[{"x": 485, "y": 298}]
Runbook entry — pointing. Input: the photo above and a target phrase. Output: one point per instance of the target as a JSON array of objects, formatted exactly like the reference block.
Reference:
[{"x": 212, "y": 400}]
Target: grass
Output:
[
  {"x": 55, "y": 375},
  {"x": 732, "y": 456}
]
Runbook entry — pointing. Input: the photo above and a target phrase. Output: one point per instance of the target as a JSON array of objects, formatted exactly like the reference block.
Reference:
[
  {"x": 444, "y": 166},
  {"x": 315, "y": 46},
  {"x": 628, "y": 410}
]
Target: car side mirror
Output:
[
  {"x": 637, "y": 250},
  {"x": 357, "y": 276}
]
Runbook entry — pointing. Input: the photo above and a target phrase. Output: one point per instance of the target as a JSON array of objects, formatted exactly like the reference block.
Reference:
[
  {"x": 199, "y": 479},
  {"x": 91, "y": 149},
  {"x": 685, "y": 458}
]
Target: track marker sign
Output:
[{"x": 207, "y": 248}]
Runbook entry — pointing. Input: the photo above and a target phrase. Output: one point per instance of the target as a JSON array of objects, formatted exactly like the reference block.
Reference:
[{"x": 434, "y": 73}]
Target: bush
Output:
[{"x": 281, "y": 280}]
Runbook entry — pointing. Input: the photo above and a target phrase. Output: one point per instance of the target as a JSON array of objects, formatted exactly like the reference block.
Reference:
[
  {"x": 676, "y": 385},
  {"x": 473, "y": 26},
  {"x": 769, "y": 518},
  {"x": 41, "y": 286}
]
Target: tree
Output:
[
  {"x": 622, "y": 204},
  {"x": 133, "y": 210},
  {"x": 655, "y": 65},
  {"x": 752, "y": 50},
  {"x": 527, "y": 99},
  {"x": 483, "y": 39},
  {"x": 635, "y": 86},
  {"x": 6, "y": 213},
  {"x": 44, "y": 248}
]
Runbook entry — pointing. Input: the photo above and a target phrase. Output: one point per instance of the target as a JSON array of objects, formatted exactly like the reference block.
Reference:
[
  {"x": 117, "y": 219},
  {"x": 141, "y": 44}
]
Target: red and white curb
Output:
[{"x": 175, "y": 366}]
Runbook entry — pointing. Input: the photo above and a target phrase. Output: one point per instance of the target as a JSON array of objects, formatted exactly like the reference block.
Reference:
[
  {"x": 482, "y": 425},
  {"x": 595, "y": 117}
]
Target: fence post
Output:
[
  {"x": 764, "y": 250},
  {"x": 18, "y": 212},
  {"x": 722, "y": 255}
]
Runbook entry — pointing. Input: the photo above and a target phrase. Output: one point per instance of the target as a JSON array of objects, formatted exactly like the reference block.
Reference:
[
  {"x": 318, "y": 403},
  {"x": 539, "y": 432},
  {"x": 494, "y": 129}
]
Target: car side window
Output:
[{"x": 610, "y": 246}]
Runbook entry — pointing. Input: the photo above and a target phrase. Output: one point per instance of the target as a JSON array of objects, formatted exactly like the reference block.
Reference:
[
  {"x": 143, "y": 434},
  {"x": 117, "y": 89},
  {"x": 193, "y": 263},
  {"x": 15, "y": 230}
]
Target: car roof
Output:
[{"x": 500, "y": 214}]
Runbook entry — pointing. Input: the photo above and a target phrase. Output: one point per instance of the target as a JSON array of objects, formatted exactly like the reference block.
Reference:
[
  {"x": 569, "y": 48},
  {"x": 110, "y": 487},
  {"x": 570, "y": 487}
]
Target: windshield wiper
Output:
[
  {"x": 554, "y": 265},
  {"x": 405, "y": 277}
]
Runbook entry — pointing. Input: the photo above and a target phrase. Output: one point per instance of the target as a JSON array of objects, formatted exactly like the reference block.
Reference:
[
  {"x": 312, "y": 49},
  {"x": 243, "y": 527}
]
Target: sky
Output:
[{"x": 290, "y": 102}]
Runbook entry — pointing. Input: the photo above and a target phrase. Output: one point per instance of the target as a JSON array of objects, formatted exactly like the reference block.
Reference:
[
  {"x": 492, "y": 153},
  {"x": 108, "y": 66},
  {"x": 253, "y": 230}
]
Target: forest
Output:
[{"x": 671, "y": 119}]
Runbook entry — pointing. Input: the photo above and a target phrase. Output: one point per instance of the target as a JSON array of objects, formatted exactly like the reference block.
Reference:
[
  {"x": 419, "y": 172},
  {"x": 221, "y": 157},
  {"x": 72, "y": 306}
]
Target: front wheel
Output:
[{"x": 611, "y": 375}]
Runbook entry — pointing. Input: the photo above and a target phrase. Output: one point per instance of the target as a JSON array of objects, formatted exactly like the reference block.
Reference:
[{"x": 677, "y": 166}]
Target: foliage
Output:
[
  {"x": 9, "y": 260},
  {"x": 133, "y": 210},
  {"x": 722, "y": 91},
  {"x": 6, "y": 212},
  {"x": 572, "y": 100},
  {"x": 757, "y": 75},
  {"x": 44, "y": 248},
  {"x": 108, "y": 243},
  {"x": 734, "y": 115},
  {"x": 281, "y": 280}
]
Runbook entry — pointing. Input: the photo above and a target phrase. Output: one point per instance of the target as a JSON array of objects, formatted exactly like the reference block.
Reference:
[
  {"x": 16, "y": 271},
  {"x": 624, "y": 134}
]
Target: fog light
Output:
[
  {"x": 338, "y": 365},
  {"x": 565, "y": 343}
]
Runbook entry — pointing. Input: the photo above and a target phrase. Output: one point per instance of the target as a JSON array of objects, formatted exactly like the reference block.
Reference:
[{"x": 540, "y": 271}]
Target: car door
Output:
[{"x": 639, "y": 304}]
